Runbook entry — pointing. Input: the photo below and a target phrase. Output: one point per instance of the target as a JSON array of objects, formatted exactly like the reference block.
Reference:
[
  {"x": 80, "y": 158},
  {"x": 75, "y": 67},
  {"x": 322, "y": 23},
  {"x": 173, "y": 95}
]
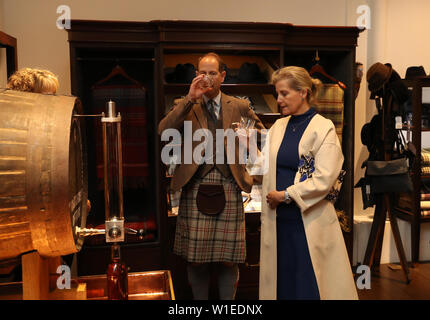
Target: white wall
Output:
[
  {"x": 405, "y": 37},
  {"x": 41, "y": 44}
]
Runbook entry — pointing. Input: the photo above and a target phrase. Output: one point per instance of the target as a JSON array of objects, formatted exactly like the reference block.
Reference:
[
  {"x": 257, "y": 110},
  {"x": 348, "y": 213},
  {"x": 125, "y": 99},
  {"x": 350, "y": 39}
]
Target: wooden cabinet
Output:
[
  {"x": 150, "y": 53},
  {"x": 408, "y": 207}
]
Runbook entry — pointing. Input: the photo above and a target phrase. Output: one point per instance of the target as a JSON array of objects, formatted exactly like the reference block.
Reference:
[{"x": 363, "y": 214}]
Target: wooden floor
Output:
[{"x": 389, "y": 284}]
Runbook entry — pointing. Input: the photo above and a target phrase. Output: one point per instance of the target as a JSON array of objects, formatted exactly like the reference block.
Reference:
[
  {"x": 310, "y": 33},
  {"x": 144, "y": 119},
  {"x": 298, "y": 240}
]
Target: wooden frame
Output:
[{"x": 10, "y": 43}]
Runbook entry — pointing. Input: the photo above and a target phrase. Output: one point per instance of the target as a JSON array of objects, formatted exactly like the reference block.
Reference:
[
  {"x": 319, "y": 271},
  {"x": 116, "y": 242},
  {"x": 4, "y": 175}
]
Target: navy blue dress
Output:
[{"x": 296, "y": 277}]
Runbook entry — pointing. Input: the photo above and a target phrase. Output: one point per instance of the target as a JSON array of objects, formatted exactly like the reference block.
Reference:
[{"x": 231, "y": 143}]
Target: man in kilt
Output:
[{"x": 210, "y": 226}]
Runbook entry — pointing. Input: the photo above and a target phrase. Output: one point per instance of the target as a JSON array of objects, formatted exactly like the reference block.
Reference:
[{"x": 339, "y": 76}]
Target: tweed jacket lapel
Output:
[
  {"x": 200, "y": 116},
  {"x": 227, "y": 111}
]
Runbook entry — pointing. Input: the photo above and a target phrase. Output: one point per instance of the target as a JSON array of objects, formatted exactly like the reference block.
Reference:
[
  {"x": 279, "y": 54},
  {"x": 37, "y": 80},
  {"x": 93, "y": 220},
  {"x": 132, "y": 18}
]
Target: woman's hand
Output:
[{"x": 274, "y": 198}]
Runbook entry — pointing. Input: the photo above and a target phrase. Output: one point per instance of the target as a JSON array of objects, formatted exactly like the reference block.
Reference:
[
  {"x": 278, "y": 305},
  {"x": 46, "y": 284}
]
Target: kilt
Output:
[{"x": 200, "y": 238}]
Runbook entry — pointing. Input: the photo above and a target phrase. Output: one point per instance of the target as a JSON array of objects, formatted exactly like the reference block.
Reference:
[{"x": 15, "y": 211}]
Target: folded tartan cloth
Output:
[
  {"x": 425, "y": 212},
  {"x": 331, "y": 104},
  {"x": 425, "y": 170},
  {"x": 425, "y": 205},
  {"x": 425, "y": 157},
  {"x": 425, "y": 196}
]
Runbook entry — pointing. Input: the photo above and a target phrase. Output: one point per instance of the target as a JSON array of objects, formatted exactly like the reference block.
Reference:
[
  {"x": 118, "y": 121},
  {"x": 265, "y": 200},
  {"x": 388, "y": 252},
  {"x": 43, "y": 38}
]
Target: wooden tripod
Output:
[
  {"x": 383, "y": 205},
  {"x": 374, "y": 245}
]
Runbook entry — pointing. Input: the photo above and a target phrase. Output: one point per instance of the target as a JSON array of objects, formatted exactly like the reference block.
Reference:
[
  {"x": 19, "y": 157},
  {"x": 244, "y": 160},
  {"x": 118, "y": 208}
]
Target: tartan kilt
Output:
[{"x": 200, "y": 238}]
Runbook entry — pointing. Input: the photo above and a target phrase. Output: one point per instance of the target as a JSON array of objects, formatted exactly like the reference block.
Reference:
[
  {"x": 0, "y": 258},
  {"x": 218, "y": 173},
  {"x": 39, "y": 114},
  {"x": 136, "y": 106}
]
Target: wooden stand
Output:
[
  {"x": 374, "y": 245},
  {"x": 39, "y": 279}
]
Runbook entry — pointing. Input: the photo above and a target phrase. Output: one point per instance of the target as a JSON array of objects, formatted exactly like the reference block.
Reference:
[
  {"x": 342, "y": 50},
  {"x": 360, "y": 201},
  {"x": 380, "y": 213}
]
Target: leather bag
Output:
[
  {"x": 389, "y": 176},
  {"x": 210, "y": 199}
]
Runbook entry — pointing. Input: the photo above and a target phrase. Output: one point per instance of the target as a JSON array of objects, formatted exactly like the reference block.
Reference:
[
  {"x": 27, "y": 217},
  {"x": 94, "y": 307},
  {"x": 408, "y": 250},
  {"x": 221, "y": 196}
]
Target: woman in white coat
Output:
[{"x": 303, "y": 254}]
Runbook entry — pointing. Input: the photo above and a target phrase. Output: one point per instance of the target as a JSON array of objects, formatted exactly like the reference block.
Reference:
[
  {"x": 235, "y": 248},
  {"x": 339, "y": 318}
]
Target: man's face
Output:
[{"x": 209, "y": 66}]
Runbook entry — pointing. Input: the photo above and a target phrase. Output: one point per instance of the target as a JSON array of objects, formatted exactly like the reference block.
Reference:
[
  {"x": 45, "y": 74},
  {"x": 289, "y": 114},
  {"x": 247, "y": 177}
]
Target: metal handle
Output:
[{"x": 86, "y": 232}]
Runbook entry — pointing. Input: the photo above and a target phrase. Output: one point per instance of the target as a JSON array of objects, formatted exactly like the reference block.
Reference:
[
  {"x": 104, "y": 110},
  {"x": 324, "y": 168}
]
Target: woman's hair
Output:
[
  {"x": 298, "y": 78},
  {"x": 33, "y": 80}
]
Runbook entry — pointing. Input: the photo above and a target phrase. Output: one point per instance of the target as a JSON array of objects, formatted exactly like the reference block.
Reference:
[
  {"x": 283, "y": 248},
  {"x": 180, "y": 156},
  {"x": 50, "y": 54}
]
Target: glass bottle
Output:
[{"x": 117, "y": 280}]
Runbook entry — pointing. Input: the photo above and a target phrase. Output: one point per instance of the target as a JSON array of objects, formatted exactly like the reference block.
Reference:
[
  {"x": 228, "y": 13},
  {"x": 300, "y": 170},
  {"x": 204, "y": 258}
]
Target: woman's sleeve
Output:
[{"x": 328, "y": 164}]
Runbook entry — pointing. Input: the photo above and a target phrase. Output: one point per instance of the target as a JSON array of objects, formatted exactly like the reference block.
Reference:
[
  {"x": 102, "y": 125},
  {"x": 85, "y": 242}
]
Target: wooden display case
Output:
[{"x": 150, "y": 50}]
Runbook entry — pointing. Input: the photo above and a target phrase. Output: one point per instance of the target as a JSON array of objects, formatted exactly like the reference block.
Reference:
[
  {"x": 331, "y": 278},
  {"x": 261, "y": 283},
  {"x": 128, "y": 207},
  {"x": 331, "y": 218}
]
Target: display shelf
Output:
[
  {"x": 152, "y": 49},
  {"x": 408, "y": 214},
  {"x": 170, "y": 88},
  {"x": 413, "y": 215}
]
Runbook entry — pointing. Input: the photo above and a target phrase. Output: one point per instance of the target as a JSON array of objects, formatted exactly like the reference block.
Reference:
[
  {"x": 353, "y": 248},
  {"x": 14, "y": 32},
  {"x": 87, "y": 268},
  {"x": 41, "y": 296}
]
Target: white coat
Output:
[{"x": 323, "y": 233}]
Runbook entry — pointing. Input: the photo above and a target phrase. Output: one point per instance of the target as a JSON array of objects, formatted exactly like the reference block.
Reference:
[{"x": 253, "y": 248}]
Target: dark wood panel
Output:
[
  {"x": 222, "y": 32},
  {"x": 227, "y": 36},
  {"x": 7, "y": 40},
  {"x": 315, "y": 36},
  {"x": 112, "y": 31}
]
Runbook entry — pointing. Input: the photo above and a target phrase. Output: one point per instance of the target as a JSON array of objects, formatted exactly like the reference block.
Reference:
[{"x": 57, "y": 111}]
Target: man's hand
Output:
[
  {"x": 196, "y": 90},
  {"x": 274, "y": 198}
]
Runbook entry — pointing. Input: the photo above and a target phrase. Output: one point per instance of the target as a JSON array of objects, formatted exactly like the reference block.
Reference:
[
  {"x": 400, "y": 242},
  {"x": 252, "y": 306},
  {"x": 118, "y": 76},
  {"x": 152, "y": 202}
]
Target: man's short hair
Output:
[{"x": 221, "y": 64}]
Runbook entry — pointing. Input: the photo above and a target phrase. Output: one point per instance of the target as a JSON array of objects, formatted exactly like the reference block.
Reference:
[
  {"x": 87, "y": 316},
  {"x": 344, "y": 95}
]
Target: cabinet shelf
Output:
[
  {"x": 408, "y": 214},
  {"x": 422, "y": 129},
  {"x": 226, "y": 88}
]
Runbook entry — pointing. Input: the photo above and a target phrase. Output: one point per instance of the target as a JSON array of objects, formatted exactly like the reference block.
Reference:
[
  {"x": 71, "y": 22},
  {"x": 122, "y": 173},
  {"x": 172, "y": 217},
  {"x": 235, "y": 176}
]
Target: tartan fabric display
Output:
[
  {"x": 330, "y": 105},
  {"x": 425, "y": 205},
  {"x": 200, "y": 238},
  {"x": 425, "y": 161},
  {"x": 405, "y": 201},
  {"x": 425, "y": 170},
  {"x": 425, "y": 158}
]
